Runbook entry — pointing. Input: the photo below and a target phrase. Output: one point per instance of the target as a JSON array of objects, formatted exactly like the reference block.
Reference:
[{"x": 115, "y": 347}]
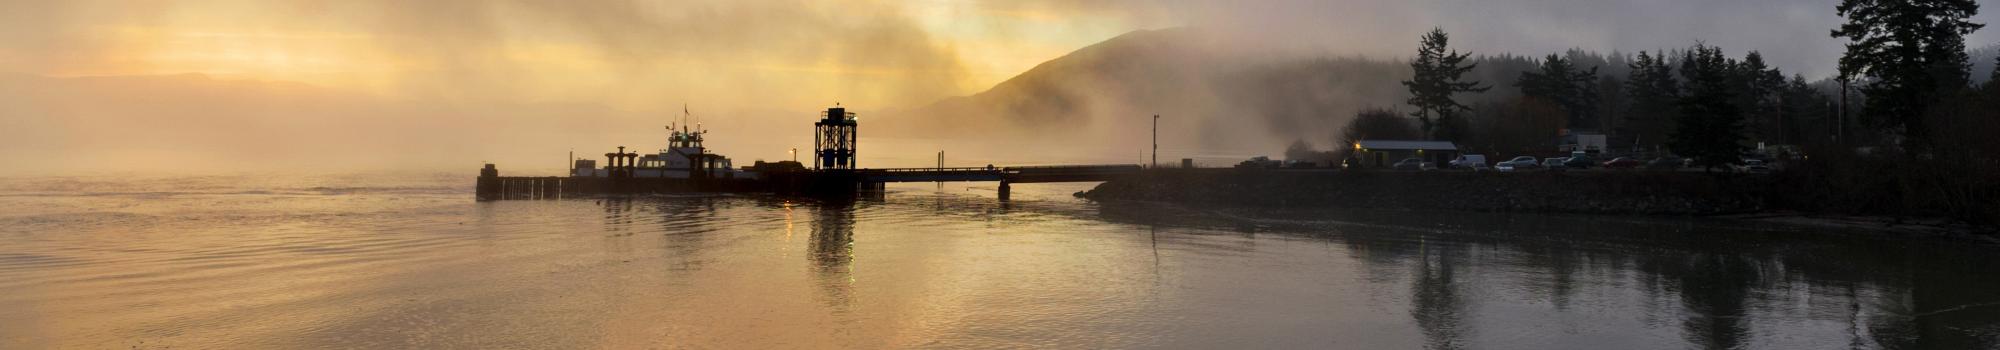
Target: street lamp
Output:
[{"x": 1156, "y": 141}]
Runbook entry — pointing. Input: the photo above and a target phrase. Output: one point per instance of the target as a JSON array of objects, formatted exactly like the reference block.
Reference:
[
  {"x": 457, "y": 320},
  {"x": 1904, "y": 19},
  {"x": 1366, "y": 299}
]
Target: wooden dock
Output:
[{"x": 491, "y": 186}]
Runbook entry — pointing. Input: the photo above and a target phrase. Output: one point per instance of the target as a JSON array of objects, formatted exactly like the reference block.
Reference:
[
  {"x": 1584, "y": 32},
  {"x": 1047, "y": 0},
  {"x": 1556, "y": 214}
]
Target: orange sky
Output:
[
  {"x": 89, "y": 85},
  {"x": 226, "y": 85},
  {"x": 647, "y": 55}
]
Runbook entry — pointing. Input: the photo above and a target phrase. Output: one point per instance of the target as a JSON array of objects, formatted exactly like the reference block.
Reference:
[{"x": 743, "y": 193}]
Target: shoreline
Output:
[
  {"x": 1750, "y": 198},
  {"x": 1606, "y": 192},
  {"x": 1907, "y": 226}
]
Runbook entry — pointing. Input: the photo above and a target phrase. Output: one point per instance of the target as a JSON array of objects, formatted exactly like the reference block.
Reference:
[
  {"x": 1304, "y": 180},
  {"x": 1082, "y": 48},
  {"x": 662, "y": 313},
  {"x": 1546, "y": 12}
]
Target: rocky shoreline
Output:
[{"x": 1593, "y": 192}]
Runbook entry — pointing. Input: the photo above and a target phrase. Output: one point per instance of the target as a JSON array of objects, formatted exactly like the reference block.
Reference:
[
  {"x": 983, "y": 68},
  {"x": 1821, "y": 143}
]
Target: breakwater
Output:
[{"x": 1590, "y": 192}]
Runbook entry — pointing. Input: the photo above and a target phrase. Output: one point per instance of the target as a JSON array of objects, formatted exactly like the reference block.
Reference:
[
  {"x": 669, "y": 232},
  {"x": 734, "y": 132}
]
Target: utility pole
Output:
[
  {"x": 1156, "y": 141},
  {"x": 1840, "y": 127}
]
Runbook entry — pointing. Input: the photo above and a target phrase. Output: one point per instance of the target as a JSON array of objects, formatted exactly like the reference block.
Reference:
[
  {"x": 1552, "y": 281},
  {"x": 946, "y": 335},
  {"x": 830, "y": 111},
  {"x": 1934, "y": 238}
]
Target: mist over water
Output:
[{"x": 380, "y": 260}]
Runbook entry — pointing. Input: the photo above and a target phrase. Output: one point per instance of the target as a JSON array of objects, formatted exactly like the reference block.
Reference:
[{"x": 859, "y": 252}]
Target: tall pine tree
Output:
[
  {"x": 1654, "y": 96},
  {"x": 1757, "y": 87},
  {"x": 1912, "y": 53},
  {"x": 1559, "y": 81},
  {"x": 1995, "y": 75},
  {"x": 1710, "y": 127},
  {"x": 1805, "y": 114},
  {"x": 1435, "y": 80}
]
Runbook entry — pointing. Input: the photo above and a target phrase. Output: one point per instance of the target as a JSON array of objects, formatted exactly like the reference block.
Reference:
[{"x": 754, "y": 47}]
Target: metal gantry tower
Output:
[{"x": 834, "y": 139}]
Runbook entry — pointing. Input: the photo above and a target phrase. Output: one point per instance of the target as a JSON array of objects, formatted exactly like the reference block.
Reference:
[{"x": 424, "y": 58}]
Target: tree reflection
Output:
[
  {"x": 1720, "y": 284},
  {"x": 1715, "y": 289},
  {"x": 1435, "y": 302}
]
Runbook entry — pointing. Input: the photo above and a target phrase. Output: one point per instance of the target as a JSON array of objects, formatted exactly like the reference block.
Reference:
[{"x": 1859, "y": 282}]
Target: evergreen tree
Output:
[
  {"x": 1803, "y": 113},
  {"x": 1995, "y": 75},
  {"x": 1611, "y": 102},
  {"x": 1757, "y": 87},
  {"x": 1552, "y": 82},
  {"x": 1560, "y": 82},
  {"x": 1912, "y": 53},
  {"x": 1710, "y": 125},
  {"x": 1654, "y": 97},
  {"x": 1435, "y": 81}
]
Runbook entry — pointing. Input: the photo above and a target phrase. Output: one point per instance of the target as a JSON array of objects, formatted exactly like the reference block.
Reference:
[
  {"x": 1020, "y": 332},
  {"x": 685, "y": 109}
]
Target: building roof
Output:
[{"x": 1407, "y": 145}]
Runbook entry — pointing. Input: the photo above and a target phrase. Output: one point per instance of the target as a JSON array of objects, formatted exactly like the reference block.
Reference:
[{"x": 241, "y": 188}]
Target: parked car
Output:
[
  {"x": 1621, "y": 163},
  {"x": 1260, "y": 162},
  {"x": 1414, "y": 164},
  {"x": 1754, "y": 166},
  {"x": 1518, "y": 163},
  {"x": 1579, "y": 162},
  {"x": 1665, "y": 163},
  {"x": 1474, "y": 162},
  {"x": 1554, "y": 164}
]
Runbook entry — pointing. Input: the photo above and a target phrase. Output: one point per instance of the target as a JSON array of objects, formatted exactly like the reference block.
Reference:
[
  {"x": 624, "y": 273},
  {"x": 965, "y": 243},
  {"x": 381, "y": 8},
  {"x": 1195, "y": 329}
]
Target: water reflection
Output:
[
  {"x": 957, "y": 268},
  {"x": 617, "y": 216},
  {"x": 1722, "y": 285},
  {"x": 833, "y": 236},
  {"x": 1435, "y": 302},
  {"x": 832, "y": 251}
]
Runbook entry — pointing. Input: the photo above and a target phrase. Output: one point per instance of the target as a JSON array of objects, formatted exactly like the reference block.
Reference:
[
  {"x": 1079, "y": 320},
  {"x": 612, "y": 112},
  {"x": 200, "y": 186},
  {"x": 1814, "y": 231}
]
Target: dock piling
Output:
[{"x": 1005, "y": 189}]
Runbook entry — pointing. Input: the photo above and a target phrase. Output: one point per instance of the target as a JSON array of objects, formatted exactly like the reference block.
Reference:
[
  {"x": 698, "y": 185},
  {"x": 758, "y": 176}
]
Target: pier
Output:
[
  {"x": 810, "y": 182},
  {"x": 687, "y": 167}
]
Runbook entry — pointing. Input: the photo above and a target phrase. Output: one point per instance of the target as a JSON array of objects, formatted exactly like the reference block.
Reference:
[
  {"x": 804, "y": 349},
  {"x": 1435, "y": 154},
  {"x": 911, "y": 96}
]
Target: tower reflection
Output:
[{"x": 831, "y": 251}]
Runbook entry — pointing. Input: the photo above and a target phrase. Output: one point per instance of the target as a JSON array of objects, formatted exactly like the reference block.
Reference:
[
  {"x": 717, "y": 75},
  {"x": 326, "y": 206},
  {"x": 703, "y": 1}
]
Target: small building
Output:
[
  {"x": 586, "y": 168},
  {"x": 1582, "y": 141},
  {"x": 1384, "y": 153}
]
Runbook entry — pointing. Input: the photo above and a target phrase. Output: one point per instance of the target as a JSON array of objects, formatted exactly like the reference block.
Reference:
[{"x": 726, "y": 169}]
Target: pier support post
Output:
[
  {"x": 1005, "y": 188},
  {"x": 488, "y": 187}
]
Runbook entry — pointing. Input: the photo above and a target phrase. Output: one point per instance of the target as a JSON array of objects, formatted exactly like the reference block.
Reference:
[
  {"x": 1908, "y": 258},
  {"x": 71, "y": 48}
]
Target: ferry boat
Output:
[{"x": 684, "y": 158}]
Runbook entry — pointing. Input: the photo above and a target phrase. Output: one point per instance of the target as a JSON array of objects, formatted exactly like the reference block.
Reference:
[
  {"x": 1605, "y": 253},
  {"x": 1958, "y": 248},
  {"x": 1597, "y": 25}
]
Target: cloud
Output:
[{"x": 631, "y": 53}]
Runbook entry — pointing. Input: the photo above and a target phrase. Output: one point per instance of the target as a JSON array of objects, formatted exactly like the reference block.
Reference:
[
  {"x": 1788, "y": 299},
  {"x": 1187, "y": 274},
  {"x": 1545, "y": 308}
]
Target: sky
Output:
[
  {"x": 629, "y": 54},
  {"x": 76, "y": 65}
]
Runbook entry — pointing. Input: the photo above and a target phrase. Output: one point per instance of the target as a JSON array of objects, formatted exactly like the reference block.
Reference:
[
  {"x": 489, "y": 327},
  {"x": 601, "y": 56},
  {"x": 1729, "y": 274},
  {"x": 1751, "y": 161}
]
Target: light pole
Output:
[{"x": 1156, "y": 141}]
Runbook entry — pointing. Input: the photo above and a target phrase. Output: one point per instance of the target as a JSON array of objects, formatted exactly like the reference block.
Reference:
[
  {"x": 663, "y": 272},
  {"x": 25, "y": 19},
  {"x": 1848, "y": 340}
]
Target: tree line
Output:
[
  {"x": 1903, "y": 124},
  {"x": 1644, "y": 102}
]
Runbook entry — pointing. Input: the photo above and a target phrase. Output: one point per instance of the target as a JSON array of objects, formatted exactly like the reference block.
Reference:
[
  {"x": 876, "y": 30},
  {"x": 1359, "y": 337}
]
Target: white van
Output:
[{"x": 1474, "y": 162}]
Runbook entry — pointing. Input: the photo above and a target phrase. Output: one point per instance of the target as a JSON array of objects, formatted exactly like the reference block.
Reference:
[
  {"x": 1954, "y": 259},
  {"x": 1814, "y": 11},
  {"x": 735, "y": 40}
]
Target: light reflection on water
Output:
[{"x": 226, "y": 262}]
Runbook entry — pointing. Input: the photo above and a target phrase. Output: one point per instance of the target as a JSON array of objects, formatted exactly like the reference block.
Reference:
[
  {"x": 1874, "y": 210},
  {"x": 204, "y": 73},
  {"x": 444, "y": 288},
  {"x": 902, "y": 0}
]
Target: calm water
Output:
[{"x": 413, "y": 262}]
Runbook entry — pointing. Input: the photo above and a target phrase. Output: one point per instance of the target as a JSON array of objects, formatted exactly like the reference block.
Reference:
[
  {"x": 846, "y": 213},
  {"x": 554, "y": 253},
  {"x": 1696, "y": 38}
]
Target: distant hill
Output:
[
  {"x": 1206, "y": 88},
  {"x": 1214, "y": 92}
]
